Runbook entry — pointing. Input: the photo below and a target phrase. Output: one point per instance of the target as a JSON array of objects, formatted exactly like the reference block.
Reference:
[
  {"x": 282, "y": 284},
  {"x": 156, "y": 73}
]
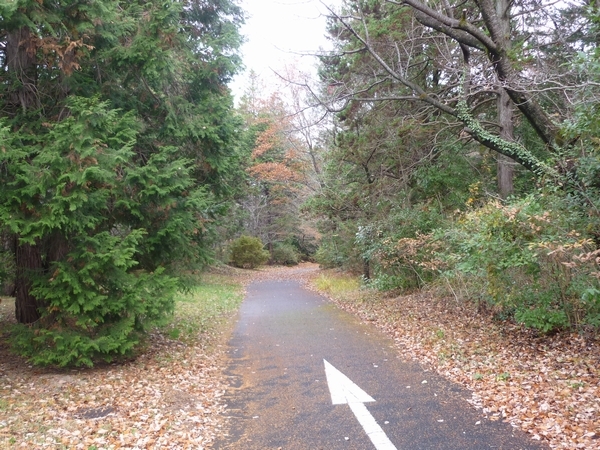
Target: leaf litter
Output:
[
  {"x": 168, "y": 398},
  {"x": 548, "y": 386},
  {"x": 171, "y": 396}
]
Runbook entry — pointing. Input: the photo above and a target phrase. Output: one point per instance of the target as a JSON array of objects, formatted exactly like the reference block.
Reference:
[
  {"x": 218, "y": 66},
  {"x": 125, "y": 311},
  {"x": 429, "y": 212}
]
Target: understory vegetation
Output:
[
  {"x": 529, "y": 259},
  {"x": 533, "y": 258}
]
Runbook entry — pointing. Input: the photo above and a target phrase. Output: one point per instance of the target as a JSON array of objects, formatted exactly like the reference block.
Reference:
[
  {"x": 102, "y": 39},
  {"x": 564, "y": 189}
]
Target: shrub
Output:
[
  {"x": 104, "y": 229},
  {"x": 407, "y": 263},
  {"x": 340, "y": 251},
  {"x": 97, "y": 308},
  {"x": 247, "y": 252},
  {"x": 285, "y": 254},
  {"x": 523, "y": 262},
  {"x": 400, "y": 249},
  {"x": 328, "y": 256}
]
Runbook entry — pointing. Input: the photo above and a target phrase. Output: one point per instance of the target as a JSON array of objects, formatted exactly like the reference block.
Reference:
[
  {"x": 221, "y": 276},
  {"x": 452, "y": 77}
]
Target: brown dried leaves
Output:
[
  {"x": 547, "y": 386},
  {"x": 169, "y": 398}
]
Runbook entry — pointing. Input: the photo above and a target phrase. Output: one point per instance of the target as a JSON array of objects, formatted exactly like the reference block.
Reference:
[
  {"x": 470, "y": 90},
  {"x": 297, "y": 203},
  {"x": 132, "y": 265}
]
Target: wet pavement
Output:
[{"x": 280, "y": 398}]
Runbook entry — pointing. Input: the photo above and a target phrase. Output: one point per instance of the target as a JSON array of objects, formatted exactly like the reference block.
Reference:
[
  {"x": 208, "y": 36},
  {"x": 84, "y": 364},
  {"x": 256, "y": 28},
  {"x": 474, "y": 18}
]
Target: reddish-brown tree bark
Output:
[{"x": 29, "y": 262}]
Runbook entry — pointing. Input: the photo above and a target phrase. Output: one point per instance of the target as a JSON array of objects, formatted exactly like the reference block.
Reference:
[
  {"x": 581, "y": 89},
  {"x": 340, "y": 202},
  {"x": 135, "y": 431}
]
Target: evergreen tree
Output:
[{"x": 117, "y": 140}]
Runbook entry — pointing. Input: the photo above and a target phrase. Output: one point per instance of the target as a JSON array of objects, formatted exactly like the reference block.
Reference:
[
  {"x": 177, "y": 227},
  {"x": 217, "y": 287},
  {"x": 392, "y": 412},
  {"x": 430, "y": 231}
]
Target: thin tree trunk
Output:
[
  {"x": 21, "y": 63},
  {"x": 366, "y": 269},
  {"x": 505, "y": 169}
]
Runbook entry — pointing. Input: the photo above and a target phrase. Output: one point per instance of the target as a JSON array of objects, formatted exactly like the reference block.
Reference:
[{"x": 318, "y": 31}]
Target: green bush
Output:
[
  {"x": 97, "y": 308},
  {"x": 247, "y": 252},
  {"x": 526, "y": 259},
  {"x": 328, "y": 256},
  {"x": 285, "y": 254},
  {"x": 400, "y": 249},
  {"x": 339, "y": 253},
  {"x": 105, "y": 229}
]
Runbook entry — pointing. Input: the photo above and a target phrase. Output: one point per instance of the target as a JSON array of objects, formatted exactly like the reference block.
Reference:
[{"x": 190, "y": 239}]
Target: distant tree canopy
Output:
[
  {"x": 452, "y": 64},
  {"x": 118, "y": 142},
  {"x": 281, "y": 165}
]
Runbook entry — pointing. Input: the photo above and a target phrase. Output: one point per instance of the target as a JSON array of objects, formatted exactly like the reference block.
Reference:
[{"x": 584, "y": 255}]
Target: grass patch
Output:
[
  {"x": 205, "y": 308},
  {"x": 337, "y": 284}
]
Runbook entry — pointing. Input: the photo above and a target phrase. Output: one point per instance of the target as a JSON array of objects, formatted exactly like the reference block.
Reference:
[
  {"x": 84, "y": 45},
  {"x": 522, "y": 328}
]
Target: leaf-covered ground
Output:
[
  {"x": 169, "y": 397},
  {"x": 547, "y": 385}
]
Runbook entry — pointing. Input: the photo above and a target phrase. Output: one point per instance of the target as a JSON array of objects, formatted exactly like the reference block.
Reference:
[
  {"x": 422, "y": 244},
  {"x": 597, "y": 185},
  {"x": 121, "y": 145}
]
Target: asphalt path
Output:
[{"x": 280, "y": 398}]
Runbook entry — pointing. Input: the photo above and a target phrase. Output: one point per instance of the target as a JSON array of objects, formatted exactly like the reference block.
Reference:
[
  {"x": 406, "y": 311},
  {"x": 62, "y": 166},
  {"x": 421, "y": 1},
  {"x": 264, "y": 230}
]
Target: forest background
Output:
[{"x": 443, "y": 145}]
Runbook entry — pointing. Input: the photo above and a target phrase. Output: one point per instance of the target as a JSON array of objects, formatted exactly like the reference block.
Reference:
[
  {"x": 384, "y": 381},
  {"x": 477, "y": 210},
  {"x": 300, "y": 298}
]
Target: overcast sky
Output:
[{"x": 279, "y": 32}]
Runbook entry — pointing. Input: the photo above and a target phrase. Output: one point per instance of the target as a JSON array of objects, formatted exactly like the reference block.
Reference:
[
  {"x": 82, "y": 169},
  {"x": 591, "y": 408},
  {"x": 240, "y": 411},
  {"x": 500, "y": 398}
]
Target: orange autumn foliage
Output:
[{"x": 273, "y": 172}]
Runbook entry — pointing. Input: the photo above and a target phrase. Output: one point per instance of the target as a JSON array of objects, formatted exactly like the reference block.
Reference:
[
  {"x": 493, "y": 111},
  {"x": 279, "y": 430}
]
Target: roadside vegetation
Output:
[
  {"x": 168, "y": 395},
  {"x": 464, "y": 154},
  {"x": 448, "y": 156}
]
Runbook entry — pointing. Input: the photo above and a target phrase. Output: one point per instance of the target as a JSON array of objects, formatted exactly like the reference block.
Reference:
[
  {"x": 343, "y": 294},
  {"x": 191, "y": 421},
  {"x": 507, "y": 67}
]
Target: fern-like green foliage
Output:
[
  {"x": 117, "y": 138},
  {"x": 79, "y": 190}
]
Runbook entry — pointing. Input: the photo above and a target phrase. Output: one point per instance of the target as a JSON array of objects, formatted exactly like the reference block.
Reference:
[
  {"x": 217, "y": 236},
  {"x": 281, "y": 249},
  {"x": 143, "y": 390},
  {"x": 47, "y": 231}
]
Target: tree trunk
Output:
[
  {"x": 495, "y": 39},
  {"x": 21, "y": 63},
  {"x": 505, "y": 169},
  {"x": 366, "y": 269},
  {"x": 55, "y": 249},
  {"x": 22, "y": 94},
  {"x": 29, "y": 263},
  {"x": 505, "y": 112},
  {"x": 496, "y": 16}
]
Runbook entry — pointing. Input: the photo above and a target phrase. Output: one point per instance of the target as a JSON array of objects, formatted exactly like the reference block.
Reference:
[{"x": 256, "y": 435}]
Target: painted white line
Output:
[{"x": 344, "y": 391}]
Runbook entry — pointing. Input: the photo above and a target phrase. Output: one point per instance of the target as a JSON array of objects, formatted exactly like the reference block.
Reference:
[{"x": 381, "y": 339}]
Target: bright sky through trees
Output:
[{"x": 280, "y": 32}]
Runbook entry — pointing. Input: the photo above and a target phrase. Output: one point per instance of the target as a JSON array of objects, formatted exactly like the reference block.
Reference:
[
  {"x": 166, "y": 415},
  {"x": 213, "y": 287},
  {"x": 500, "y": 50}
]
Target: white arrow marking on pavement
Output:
[{"x": 344, "y": 391}]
